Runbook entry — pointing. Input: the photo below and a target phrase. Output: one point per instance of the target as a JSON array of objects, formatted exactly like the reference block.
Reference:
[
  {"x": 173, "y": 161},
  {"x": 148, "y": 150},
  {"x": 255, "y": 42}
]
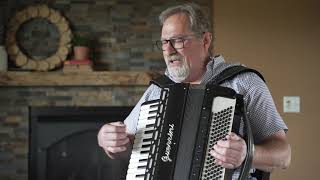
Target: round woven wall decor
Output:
[{"x": 54, "y": 17}]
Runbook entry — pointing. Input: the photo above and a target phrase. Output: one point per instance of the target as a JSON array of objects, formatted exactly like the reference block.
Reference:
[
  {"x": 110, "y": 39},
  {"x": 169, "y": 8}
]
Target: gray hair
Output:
[{"x": 199, "y": 21}]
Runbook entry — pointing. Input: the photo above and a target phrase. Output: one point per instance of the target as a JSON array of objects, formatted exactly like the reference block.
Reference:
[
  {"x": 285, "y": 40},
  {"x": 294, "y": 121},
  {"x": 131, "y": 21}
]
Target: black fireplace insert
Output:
[{"x": 63, "y": 143}]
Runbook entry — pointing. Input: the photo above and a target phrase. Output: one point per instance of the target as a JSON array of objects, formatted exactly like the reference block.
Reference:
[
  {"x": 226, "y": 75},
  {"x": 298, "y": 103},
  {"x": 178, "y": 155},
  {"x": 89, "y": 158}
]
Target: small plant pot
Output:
[{"x": 81, "y": 52}]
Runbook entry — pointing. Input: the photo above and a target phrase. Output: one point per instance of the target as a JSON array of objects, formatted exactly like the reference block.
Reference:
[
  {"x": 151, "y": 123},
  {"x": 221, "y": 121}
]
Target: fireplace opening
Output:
[{"x": 63, "y": 143}]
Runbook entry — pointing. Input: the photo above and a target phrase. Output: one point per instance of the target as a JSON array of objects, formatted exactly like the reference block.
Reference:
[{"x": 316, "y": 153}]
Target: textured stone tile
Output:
[
  {"x": 6, "y": 156},
  {"x": 40, "y": 103},
  {"x": 87, "y": 94},
  {"x": 63, "y": 103},
  {"x": 13, "y": 120},
  {"x": 6, "y": 132},
  {"x": 61, "y": 93}
]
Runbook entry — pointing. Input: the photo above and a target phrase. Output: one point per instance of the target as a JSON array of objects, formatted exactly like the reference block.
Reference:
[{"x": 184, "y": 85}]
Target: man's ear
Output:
[{"x": 207, "y": 38}]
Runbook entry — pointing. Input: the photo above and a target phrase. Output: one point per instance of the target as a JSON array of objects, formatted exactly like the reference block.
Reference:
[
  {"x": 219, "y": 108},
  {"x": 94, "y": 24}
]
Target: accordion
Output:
[{"x": 176, "y": 132}]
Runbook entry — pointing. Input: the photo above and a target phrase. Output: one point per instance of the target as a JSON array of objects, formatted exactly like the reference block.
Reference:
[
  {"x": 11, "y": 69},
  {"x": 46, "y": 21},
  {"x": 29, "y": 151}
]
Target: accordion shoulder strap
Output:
[
  {"x": 231, "y": 72},
  {"x": 226, "y": 74},
  {"x": 162, "y": 81}
]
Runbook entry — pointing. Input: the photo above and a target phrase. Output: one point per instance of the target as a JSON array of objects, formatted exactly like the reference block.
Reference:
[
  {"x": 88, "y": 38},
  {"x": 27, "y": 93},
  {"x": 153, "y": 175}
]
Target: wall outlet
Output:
[{"x": 291, "y": 104}]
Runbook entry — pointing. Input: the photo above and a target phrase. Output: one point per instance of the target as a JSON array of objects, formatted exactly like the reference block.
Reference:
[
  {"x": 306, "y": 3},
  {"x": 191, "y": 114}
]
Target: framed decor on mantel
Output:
[{"x": 23, "y": 57}]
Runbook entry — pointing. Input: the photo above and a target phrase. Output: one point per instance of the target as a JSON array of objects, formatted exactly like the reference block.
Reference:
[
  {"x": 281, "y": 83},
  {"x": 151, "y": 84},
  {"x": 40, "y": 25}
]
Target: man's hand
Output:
[
  {"x": 230, "y": 152},
  {"x": 114, "y": 139}
]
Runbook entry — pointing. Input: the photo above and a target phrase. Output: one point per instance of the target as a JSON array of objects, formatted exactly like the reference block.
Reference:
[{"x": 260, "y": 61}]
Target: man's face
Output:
[{"x": 183, "y": 63}]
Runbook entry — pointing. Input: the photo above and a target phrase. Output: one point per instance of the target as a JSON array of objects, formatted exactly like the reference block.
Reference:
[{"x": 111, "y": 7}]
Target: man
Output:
[{"x": 186, "y": 43}]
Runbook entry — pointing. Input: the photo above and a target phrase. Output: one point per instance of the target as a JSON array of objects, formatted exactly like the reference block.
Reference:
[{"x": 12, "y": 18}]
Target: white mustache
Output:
[{"x": 174, "y": 57}]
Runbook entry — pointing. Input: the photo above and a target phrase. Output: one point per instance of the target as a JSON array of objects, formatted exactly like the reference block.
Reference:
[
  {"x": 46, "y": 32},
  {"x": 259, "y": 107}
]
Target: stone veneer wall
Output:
[
  {"x": 123, "y": 31},
  {"x": 14, "y": 116}
]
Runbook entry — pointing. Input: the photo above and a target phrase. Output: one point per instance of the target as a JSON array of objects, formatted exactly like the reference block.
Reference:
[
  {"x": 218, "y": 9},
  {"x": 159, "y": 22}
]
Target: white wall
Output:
[{"x": 282, "y": 40}]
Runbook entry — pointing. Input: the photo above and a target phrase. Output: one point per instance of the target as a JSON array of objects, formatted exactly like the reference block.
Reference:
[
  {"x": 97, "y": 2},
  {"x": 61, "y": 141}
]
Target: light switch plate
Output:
[{"x": 291, "y": 104}]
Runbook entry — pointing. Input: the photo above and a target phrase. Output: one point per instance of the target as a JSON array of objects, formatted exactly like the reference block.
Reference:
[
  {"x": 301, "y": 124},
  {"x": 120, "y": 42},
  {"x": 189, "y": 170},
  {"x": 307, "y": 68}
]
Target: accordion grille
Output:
[{"x": 221, "y": 125}]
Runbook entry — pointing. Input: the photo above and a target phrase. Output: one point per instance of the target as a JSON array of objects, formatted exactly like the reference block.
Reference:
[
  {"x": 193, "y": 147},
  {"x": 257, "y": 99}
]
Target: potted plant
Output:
[{"x": 81, "y": 47}]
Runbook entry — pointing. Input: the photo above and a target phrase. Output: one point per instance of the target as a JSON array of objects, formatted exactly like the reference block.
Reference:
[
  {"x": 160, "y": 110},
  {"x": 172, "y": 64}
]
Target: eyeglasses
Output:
[{"x": 176, "y": 42}]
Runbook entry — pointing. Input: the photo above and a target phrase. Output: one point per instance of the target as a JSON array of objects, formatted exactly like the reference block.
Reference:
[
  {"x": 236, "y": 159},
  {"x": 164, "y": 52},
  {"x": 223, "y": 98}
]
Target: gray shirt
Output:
[{"x": 262, "y": 113}]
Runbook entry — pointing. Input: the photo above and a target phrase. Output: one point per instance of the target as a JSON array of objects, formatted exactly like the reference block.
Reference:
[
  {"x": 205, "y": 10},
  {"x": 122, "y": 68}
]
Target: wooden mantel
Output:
[{"x": 98, "y": 78}]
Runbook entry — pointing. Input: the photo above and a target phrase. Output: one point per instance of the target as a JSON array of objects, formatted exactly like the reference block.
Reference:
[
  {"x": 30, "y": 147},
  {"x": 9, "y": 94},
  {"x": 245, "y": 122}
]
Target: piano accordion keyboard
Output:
[{"x": 143, "y": 139}]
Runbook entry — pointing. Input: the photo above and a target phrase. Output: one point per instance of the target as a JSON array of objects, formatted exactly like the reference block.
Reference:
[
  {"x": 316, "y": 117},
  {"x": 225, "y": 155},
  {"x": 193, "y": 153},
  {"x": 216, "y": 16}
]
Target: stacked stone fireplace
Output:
[
  {"x": 123, "y": 34},
  {"x": 60, "y": 117}
]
